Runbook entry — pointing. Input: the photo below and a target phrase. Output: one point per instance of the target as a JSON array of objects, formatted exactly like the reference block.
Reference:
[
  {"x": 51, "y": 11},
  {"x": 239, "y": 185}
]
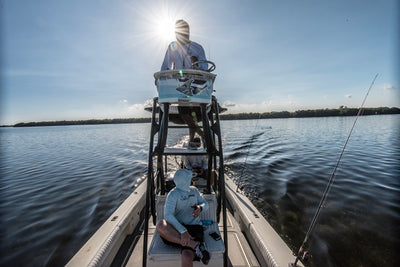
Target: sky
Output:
[{"x": 95, "y": 59}]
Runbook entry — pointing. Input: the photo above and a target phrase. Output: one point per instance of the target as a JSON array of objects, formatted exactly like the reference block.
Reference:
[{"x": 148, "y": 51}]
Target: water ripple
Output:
[{"x": 61, "y": 183}]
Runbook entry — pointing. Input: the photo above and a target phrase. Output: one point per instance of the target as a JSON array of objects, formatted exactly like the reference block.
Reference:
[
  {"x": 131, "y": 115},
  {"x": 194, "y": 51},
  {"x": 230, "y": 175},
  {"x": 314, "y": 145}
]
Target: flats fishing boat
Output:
[{"x": 235, "y": 232}]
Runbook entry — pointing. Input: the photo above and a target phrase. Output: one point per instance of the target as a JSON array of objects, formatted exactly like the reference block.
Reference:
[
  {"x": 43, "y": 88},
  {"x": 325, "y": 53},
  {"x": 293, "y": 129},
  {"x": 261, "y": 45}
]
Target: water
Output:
[{"x": 59, "y": 184}]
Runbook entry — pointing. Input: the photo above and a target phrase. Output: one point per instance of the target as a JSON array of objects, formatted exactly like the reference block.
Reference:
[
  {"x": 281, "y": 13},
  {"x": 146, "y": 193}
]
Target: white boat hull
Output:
[{"x": 268, "y": 247}]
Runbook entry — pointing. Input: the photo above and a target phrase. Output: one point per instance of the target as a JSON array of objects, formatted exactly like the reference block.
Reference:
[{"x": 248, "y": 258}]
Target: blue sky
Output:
[{"x": 70, "y": 60}]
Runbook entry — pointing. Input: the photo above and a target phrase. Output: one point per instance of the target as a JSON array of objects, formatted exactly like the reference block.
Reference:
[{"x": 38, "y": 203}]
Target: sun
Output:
[
  {"x": 154, "y": 25},
  {"x": 165, "y": 29}
]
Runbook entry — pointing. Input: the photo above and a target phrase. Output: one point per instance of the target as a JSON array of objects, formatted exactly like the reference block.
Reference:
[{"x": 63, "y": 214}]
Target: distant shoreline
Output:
[{"x": 343, "y": 111}]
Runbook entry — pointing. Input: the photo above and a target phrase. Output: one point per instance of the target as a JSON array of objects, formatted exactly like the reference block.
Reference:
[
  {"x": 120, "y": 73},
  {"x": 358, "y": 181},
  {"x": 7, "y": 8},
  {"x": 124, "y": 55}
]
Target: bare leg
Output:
[
  {"x": 196, "y": 123},
  {"x": 168, "y": 232},
  {"x": 187, "y": 258},
  {"x": 193, "y": 127}
]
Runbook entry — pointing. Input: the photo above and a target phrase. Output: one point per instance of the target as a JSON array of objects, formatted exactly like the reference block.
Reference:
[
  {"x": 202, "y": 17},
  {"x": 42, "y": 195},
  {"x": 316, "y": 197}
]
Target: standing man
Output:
[{"x": 182, "y": 53}]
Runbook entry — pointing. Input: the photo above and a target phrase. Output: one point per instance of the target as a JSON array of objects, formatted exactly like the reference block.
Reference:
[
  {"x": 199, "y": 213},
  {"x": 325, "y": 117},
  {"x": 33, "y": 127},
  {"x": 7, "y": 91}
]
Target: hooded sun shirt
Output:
[
  {"x": 178, "y": 56},
  {"x": 178, "y": 210}
]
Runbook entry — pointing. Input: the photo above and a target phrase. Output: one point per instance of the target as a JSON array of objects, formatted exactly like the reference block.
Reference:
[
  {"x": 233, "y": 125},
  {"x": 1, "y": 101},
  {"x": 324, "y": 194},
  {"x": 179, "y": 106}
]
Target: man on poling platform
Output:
[{"x": 182, "y": 54}]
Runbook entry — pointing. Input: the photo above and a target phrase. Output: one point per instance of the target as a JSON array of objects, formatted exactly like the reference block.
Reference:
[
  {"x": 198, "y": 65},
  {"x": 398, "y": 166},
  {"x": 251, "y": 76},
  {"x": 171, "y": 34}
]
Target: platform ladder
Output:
[{"x": 157, "y": 166}]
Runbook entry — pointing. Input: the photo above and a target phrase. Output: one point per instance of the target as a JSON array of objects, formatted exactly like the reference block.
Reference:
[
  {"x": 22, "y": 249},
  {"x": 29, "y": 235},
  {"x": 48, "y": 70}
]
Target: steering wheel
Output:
[{"x": 210, "y": 69}]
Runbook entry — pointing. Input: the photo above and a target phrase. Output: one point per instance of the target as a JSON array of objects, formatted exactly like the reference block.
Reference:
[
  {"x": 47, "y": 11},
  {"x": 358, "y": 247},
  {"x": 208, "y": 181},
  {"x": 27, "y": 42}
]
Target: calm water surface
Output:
[{"x": 59, "y": 184}]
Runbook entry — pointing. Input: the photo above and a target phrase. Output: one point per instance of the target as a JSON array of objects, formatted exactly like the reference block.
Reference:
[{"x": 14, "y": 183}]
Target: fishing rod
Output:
[{"x": 328, "y": 187}]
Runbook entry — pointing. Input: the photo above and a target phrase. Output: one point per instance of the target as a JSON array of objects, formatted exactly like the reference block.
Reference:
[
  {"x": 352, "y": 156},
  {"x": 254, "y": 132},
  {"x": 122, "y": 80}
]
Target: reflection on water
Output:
[{"x": 59, "y": 184}]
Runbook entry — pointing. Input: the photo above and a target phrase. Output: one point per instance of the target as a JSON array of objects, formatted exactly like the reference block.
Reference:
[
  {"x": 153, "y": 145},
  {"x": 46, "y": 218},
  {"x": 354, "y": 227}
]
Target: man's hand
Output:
[
  {"x": 197, "y": 210},
  {"x": 198, "y": 171},
  {"x": 185, "y": 238}
]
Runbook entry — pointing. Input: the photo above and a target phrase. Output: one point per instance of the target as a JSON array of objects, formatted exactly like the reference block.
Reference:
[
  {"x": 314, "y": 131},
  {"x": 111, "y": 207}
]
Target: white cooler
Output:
[{"x": 184, "y": 86}]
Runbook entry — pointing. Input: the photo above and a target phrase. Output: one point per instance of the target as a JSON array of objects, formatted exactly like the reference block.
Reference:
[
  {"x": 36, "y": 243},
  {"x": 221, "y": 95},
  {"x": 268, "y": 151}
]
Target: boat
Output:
[{"x": 242, "y": 236}]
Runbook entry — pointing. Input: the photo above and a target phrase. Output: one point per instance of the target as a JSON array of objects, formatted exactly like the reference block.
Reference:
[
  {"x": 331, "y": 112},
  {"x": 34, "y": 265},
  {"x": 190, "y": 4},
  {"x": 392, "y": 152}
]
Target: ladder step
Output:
[
  {"x": 174, "y": 126},
  {"x": 184, "y": 151}
]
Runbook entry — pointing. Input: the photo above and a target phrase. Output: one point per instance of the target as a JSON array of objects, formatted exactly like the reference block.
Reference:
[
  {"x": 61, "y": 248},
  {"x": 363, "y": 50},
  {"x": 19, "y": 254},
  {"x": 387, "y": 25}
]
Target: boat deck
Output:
[
  {"x": 251, "y": 240},
  {"x": 239, "y": 251}
]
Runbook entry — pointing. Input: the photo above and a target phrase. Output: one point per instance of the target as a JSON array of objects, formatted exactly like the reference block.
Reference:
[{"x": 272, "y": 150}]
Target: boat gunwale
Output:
[{"x": 102, "y": 247}]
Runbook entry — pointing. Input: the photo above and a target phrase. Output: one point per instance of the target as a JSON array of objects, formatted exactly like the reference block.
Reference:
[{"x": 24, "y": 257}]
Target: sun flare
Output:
[
  {"x": 165, "y": 29},
  {"x": 155, "y": 24}
]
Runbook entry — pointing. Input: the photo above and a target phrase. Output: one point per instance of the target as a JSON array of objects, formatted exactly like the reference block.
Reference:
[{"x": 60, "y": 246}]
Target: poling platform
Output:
[{"x": 129, "y": 238}]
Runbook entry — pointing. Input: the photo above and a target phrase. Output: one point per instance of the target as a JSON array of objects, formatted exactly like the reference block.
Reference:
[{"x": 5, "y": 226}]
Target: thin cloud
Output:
[
  {"x": 136, "y": 107},
  {"x": 267, "y": 103},
  {"x": 148, "y": 103},
  {"x": 389, "y": 87},
  {"x": 229, "y": 104}
]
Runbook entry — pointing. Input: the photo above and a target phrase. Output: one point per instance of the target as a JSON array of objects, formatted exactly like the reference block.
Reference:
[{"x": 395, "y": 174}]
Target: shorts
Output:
[
  {"x": 196, "y": 231},
  {"x": 189, "y": 110}
]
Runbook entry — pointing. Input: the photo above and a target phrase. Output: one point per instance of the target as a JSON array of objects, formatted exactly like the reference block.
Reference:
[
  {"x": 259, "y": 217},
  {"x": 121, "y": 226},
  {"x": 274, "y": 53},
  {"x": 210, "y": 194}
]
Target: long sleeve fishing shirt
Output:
[
  {"x": 178, "y": 210},
  {"x": 178, "y": 56}
]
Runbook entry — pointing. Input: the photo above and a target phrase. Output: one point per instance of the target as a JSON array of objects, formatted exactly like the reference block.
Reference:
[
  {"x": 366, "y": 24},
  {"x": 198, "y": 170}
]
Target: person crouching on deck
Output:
[
  {"x": 182, "y": 226},
  {"x": 198, "y": 164}
]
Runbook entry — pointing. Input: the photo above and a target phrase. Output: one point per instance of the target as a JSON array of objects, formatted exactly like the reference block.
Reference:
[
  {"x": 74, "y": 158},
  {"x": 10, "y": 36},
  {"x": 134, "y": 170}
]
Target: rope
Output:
[{"x": 331, "y": 179}]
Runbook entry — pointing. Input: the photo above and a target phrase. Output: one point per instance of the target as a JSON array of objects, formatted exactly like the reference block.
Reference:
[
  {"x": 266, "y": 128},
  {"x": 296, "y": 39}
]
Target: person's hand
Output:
[
  {"x": 201, "y": 171},
  {"x": 197, "y": 210},
  {"x": 185, "y": 238}
]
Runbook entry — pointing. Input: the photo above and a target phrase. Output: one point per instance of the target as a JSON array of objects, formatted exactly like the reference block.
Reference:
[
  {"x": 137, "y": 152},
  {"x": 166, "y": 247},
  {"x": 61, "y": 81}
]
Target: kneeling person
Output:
[
  {"x": 182, "y": 226},
  {"x": 198, "y": 164}
]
